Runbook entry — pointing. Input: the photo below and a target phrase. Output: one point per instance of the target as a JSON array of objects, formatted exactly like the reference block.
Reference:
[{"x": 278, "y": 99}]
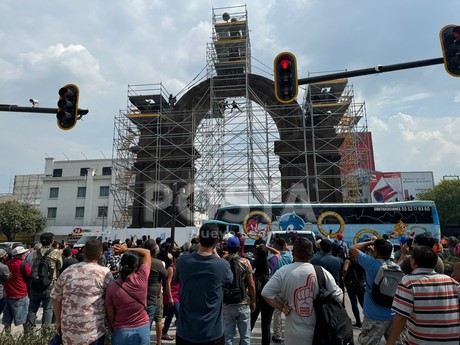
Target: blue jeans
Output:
[
  {"x": 2, "y": 304},
  {"x": 151, "y": 310},
  {"x": 237, "y": 315},
  {"x": 172, "y": 310},
  {"x": 132, "y": 336},
  {"x": 15, "y": 310},
  {"x": 35, "y": 299}
]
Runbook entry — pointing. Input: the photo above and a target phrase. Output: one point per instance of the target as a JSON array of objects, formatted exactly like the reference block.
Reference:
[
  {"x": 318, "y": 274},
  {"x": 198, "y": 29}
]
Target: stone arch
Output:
[{"x": 295, "y": 160}]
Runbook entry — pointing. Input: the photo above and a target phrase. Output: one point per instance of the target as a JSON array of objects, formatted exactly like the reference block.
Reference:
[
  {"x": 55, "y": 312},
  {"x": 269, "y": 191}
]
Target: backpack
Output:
[
  {"x": 449, "y": 263},
  {"x": 333, "y": 325},
  {"x": 354, "y": 273},
  {"x": 235, "y": 292},
  {"x": 339, "y": 250},
  {"x": 42, "y": 274},
  {"x": 385, "y": 284}
]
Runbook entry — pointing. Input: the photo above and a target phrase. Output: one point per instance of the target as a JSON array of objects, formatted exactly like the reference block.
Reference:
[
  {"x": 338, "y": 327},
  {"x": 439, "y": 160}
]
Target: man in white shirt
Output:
[{"x": 297, "y": 285}]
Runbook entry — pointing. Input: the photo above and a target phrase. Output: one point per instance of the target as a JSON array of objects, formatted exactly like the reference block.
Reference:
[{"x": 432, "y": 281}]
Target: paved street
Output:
[{"x": 256, "y": 336}]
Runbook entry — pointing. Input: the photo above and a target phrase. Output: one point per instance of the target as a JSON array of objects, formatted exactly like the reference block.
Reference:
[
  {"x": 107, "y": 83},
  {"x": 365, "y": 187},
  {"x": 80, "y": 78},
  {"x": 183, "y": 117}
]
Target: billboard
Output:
[{"x": 398, "y": 186}]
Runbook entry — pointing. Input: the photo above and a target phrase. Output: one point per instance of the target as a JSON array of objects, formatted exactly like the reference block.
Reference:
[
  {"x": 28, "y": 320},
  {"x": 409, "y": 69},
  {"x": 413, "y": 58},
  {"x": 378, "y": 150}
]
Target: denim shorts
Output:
[
  {"x": 132, "y": 336},
  {"x": 16, "y": 310}
]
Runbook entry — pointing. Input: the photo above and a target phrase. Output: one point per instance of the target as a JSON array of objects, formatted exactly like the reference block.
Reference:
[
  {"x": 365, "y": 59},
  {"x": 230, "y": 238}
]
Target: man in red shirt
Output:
[{"x": 17, "y": 301}]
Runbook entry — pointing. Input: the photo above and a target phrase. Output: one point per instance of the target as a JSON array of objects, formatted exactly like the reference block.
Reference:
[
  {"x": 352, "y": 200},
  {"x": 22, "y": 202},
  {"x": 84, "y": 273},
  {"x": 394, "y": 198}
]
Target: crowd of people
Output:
[{"x": 212, "y": 289}]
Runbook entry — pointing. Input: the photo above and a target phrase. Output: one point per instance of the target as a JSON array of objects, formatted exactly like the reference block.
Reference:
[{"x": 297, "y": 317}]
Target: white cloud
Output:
[{"x": 413, "y": 114}]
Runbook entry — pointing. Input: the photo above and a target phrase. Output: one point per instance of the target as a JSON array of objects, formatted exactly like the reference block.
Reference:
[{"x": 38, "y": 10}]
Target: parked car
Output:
[{"x": 8, "y": 246}]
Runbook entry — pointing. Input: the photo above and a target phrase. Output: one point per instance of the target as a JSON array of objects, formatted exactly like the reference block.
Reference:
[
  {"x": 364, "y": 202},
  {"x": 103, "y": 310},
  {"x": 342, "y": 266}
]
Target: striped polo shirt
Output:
[{"x": 430, "y": 302}]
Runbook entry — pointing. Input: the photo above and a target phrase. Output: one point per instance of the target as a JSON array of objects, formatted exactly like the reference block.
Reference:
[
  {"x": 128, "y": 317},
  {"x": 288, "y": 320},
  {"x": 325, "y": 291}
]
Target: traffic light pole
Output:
[
  {"x": 19, "y": 109},
  {"x": 372, "y": 70}
]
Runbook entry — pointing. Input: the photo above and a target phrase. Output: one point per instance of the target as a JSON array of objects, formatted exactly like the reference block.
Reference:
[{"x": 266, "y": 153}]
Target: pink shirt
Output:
[{"x": 128, "y": 312}]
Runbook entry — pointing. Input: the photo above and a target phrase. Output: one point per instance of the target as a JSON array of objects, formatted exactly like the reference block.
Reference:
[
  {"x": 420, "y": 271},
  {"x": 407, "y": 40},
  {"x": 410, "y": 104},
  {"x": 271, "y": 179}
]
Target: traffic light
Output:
[
  {"x": 67, "y": 114},
  {"x": 450, "y": 42},
  {"x": 286, "y": 84}
]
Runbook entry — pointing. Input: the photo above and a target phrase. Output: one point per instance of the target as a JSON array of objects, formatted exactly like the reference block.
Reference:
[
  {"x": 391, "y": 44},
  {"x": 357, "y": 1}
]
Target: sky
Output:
[{"x": 103, "y": 46}]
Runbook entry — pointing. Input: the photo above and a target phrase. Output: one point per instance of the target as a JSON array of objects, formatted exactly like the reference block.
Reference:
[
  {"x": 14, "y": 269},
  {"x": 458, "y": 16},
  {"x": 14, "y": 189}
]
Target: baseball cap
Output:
[
  {"x": 2, "y": 252},
  {"x": 18, "y": 250},
  {"x": 46, "y": 238},
  {"x": 403, "y": 239},
  {"x": 339, "y": 236},
  {"x": 233, "y": 242}
]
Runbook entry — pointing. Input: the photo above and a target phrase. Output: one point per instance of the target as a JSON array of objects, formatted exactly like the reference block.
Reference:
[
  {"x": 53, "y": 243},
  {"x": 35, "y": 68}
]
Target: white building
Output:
[{"x": 76, "y": 194}]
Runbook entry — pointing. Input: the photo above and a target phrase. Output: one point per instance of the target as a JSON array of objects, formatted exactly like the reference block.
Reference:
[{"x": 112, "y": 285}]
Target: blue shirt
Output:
[
  {"x": 371, "y": 309},
  {"x": 330, "y": 263},
  {"x": 201, "y": 279},
  {"x": 285, "y": 259}
]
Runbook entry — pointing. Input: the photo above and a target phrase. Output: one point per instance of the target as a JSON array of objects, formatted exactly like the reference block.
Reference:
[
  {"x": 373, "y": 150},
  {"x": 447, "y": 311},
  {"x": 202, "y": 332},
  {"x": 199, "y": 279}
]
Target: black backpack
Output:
[
  {"x": 333, "y": 325},
  {"x": 339, "y": 250},
  {"x": 42, "y": 274},
  {"x": 235, "y": 292},
  {"x": 355, "y": 276}
]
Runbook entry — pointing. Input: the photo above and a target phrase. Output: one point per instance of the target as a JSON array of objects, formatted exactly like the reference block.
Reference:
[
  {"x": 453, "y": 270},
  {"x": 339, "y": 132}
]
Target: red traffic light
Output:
[
  {"x": 286, "y": 83},
  {"x": 284, "y": 63}
]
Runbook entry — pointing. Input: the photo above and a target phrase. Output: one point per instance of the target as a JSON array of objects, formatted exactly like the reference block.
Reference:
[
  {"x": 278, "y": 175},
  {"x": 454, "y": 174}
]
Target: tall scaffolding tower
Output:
[
  {"x": 227, "y": 140},
  {"x": 339, "y": 153},
  {"x": 237, "y": 135}
]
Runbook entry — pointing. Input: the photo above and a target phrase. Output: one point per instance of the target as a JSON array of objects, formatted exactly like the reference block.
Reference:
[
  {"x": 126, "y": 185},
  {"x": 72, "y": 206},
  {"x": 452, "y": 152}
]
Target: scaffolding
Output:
[
  {"x": 338, "y": 128},
  {"x": 227, "y": 140},
  {"x": 237, "y": 135}
]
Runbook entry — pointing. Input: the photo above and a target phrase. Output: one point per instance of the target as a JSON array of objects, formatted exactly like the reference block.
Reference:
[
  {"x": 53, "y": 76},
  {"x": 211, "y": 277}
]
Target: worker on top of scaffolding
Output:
[
  {"x": 172, "y": 100},
  {"x": 235, "y": 106}
]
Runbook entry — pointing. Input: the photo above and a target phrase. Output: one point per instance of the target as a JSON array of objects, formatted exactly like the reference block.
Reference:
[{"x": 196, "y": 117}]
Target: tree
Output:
[
  {"x": 446, "y": 195},
  {"x": 16, "y": 217}
]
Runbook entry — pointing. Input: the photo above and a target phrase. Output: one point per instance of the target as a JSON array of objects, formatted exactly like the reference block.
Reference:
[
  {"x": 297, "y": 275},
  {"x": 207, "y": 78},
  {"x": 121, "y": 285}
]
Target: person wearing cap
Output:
[
  {"x": 5, "y": 274},
  {"x": 397, "y": 254},
  {"x": 17, "y": 301},
  {"x": 341, "y": 243},
  {"x": 42, "y": 297},
  {"x": 239, "y": 314}
]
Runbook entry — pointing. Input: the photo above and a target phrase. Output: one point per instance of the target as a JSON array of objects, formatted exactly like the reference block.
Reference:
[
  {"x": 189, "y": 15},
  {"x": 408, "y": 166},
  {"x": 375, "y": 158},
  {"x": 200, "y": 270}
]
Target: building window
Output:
[
  {"x": 84, "y": 171},
  {"x": 79, "y": 212},
  {"x": 107, "y": 171},
  {"x": 81, "y": 192},
  {"x": 54, "y": 192},
  {"x": 57, "y": 172},
  {"x": 52, "y": 211},
  {"x": 102, "y": 211},
  {"x": 104, "y": 191}
]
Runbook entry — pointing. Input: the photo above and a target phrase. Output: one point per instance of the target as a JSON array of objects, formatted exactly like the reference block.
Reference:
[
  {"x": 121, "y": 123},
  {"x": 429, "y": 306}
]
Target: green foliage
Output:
[
  {"x": 33, "y": 337},
  {"x": 446, "y": 195},
  {"x": 16, "y": 217},
  {"x": 36, "y": 336}
]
